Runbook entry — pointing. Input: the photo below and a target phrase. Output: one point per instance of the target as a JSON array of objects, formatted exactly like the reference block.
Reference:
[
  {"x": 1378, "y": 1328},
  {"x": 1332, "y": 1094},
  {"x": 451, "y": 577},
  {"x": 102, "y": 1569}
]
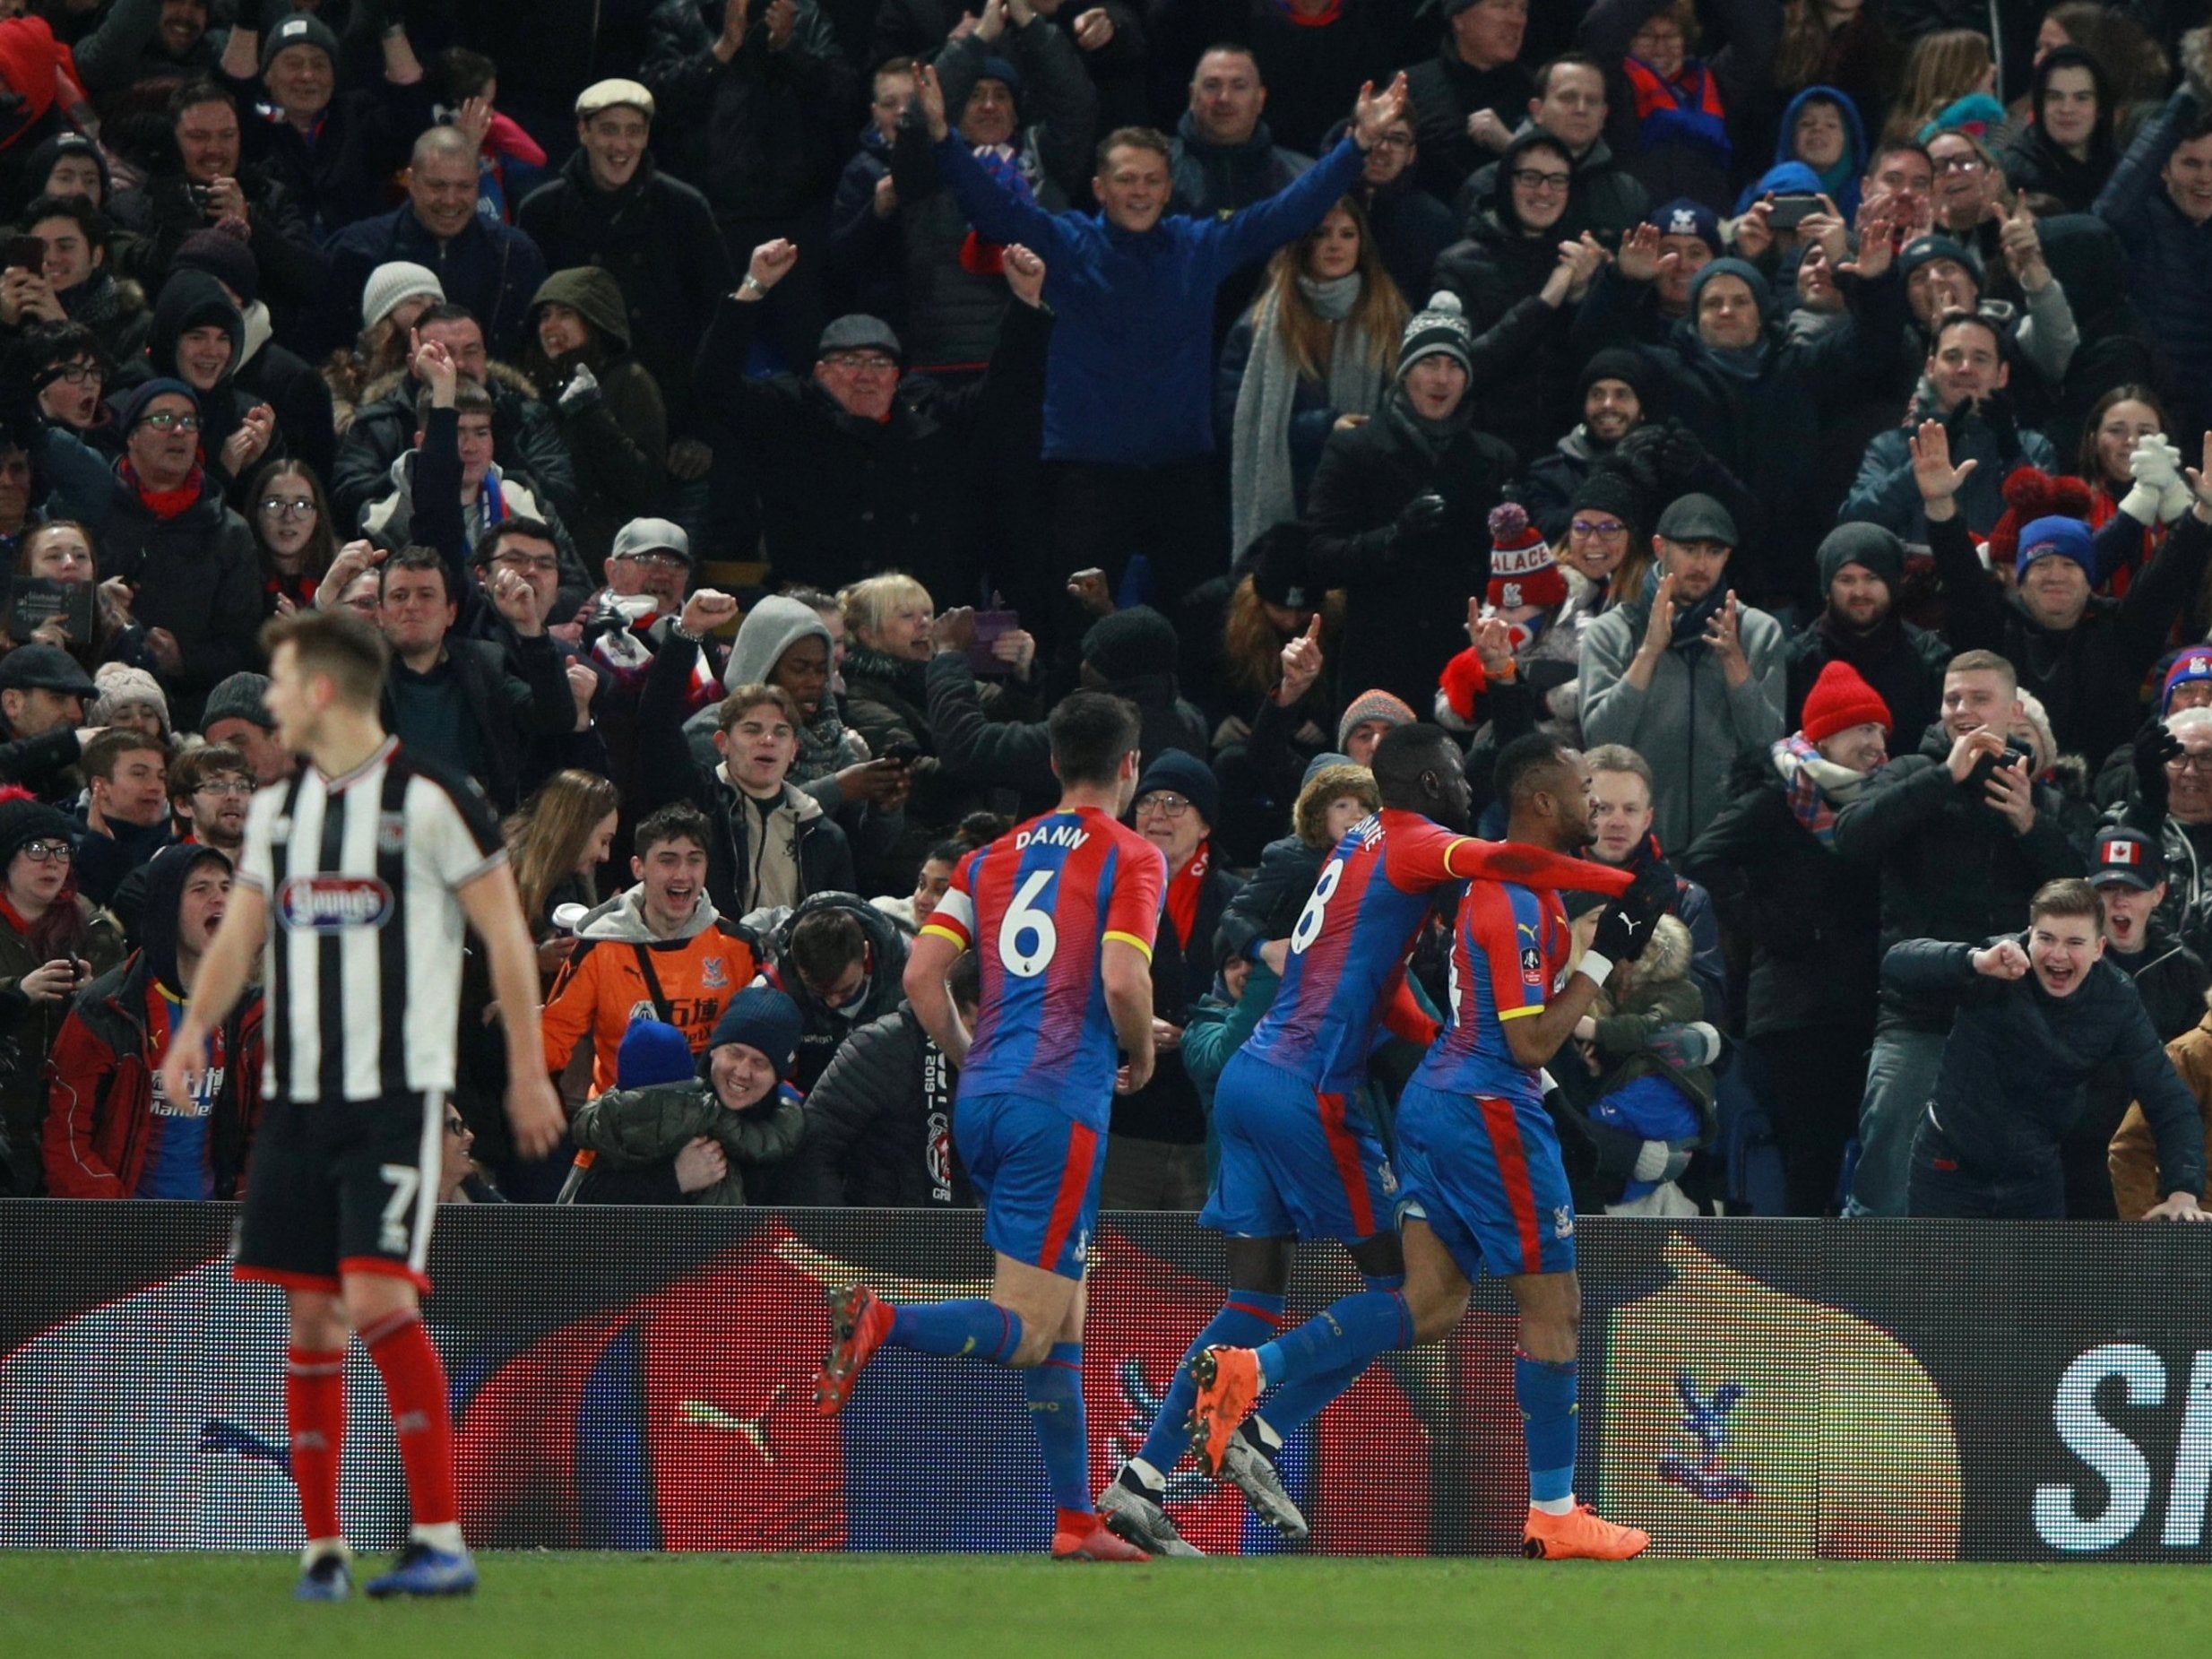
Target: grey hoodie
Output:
[
  {"x": 770, "y": 629},
  {"x": 621, "y": 920}
]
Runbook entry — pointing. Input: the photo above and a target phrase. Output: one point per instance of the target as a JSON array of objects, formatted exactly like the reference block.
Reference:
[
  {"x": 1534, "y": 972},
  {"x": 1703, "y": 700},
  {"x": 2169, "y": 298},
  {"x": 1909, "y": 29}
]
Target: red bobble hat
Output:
[
  {"x": 1839, "y": 700},
  {"x": 1522, "y": 570}
]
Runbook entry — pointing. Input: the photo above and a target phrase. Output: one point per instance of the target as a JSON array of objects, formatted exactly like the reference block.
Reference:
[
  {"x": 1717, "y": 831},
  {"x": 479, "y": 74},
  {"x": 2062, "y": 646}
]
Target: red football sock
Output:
[
  {"x": 314, "y": 1415},
  {"x": 414, "y": 1383},
  {"x": 1076, "y": 1521}
]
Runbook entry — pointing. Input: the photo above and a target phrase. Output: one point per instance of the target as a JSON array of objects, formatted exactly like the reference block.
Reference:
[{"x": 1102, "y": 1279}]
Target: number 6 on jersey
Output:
[{"x": 1023, "y": 918}]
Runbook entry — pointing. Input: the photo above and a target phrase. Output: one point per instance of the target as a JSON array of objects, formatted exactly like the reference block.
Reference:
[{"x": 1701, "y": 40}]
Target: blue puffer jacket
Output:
[
  {"x": 2169, "y": 257},
  {"x": 1130, "y": 378}
]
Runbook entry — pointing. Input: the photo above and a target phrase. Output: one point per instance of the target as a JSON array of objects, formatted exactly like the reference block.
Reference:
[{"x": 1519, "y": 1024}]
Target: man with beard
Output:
[
  {"x": 1862, "y": 568},
  {"x": 1616, "y": 384},
  {"x": 1685, "y": 674}
]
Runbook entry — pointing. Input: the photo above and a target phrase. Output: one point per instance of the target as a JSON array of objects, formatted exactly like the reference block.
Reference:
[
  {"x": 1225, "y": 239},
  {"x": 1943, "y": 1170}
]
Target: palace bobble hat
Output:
[{"x": 1522, "y": 571}]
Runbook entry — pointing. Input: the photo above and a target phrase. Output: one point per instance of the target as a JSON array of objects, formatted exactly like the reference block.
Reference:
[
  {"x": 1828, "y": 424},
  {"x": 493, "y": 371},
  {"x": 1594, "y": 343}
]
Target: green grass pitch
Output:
[{"x": 633, "y": 1606}]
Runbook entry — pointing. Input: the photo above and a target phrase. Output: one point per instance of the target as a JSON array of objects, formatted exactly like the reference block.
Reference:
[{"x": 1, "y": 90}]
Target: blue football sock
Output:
[
  {"x": 1341, "y": 1337},
  {"x": 1295, "y": 1404},
  {"x": 1055, "y": 1391},
  {"x": 1246, "y": 1319},
  {"x": 1545, "y": 1390},
  {"x": 980, "y": 1330}
]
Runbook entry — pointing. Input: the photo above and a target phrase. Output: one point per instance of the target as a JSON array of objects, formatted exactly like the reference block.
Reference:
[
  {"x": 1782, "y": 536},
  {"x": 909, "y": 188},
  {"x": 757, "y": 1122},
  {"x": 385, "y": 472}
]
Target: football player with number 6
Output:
[{"x": 1061, "y": 910}]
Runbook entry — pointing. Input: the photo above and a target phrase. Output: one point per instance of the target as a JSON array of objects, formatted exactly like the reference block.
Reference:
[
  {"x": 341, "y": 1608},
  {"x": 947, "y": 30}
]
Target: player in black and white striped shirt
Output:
[{"x": 358, "y": 876}]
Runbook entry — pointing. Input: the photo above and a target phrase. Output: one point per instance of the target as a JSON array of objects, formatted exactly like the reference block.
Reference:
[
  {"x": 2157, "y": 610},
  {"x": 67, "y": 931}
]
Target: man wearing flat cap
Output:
[
  {"x": 1684, "y": 673},
  {"x": 611, "y": 206},
  {"x": 42, "y": 697},
  {"x": 852, "y": 469}
]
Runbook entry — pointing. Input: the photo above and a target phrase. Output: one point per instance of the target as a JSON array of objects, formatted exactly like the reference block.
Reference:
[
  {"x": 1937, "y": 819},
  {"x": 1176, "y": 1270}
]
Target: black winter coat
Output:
[
  {"x": 879, "y": 1124},
  {"x": 2010, "y": 1084},
  {"x": 347, "y": 172},
  {"x": 762, "y": 136},
  {"x": 1950, "y": 866},
  {"x": 514, "y": 695},
  {"x": 657, "y": 238},
  {"x": 826, "y": 1028},
  {"x": 1444, "y": 91},
  {"x": 1494, "y": 270},
  {"x": 842, "y": 497},
  {"x": 1167, "y": 1107},
  {"x": 1406, "y": 611},
  {"x": 1811, "y": 916},
  {"x": 1902, "y": 662},
  {"x": 1017, "y": 755}
]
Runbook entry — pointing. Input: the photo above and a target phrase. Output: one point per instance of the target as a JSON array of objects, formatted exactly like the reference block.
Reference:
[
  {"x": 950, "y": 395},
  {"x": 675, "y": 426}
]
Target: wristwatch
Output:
[{"x": 754, "y": 286}]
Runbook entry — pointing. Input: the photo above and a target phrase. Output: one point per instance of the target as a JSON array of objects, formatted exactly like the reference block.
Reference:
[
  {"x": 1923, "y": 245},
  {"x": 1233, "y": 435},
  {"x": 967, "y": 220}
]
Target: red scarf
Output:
[
  {"x": 1322, "y": 19},
  {"x": 1183, "y": 889},
  {"x": 163, "y": 503},
  {"x": 1692, "y": 88}
]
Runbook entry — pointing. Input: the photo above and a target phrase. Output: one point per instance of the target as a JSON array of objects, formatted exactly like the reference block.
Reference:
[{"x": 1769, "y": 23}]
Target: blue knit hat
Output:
[
  {"x": 762, "y": 1017},
  {"x": 1683, "y": 217},
  {"x": 2068, "y": 537},
  {"x": 134, "y": 406},
  {"x": 653, "y": 1051}
]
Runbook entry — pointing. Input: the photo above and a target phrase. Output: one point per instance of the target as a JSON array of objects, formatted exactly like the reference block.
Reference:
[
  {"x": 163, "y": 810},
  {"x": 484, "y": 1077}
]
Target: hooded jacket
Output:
[
  {"x": 1840, "y": 183},
  {"x": 1689, "y": 723},
  {"x": 827, "y": 1028},
  {"x": 603, "y": 987},
  {"x": 192, "y": 300},
  {"x": 657, "y": 238},
  {"x": 666, "y": 773},
  {"x": 102, "y": 1127},
  {"x": 617, "y": 433},
  {"x": 2033, "y": 161},
  {"x": 2134, "y": 1153},
  {"x": 1762, "y": 425},
  {"x": 2010, "y": 1084},
  {"x": 1660, "y": 992},
  {"x": 1602, "y": 198},
  {"x": 634, "y": 1135}
]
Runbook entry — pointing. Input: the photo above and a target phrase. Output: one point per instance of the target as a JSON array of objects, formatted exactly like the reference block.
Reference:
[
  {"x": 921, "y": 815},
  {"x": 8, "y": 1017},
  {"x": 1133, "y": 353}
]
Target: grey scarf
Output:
[{"x": 1261, "y": 491}]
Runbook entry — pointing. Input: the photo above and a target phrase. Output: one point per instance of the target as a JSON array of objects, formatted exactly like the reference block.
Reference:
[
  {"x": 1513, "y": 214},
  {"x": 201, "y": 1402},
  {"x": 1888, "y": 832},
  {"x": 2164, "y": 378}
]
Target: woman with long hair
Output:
[
  {"x": 555, "y": 839},
  {"x": 292, "y": 534},
  {"x": 2135, "y": 64},
  {"x": 1839, "y": 43},
  {"x": 2117, "y": 421},
  {"x": 61, "y": 550},
  {"x": 1944, "y": 67},
  {"x": 1315, "y": 351}
]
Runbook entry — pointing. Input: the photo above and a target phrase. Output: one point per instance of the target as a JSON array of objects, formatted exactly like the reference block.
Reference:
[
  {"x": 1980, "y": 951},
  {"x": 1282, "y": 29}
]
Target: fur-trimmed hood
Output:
[
  {"x": 1667, "y": 956},
  {"x": 507, "y": 376}
]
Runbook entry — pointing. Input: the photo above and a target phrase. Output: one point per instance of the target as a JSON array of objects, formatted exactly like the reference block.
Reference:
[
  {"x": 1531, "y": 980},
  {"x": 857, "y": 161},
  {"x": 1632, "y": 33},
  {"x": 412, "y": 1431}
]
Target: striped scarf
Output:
[{"x": 1814, "y": 785}]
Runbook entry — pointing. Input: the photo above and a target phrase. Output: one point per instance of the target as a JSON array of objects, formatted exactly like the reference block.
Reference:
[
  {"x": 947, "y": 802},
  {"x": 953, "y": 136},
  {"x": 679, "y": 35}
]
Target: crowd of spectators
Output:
[{"x": 744, "y": 419}]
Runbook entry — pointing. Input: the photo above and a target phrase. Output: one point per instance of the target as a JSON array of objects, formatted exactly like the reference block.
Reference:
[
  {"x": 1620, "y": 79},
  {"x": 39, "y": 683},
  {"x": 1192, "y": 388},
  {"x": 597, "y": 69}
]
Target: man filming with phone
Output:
[{"x": 1964, "y": 837}]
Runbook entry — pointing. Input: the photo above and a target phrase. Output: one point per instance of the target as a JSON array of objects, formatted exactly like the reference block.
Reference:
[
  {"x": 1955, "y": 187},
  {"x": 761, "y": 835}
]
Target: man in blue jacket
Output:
[
  {"x": 1128, "y": 422},
  {"x": 2038, "y": 1014}
]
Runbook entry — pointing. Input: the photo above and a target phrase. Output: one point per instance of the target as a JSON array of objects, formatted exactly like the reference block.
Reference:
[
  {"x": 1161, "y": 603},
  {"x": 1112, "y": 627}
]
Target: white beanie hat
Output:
[{"x": 389, "y": 284}]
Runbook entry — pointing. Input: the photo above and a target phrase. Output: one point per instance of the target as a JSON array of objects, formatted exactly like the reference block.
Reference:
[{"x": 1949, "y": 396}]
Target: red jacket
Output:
[{"x": 101, "y": 1125}]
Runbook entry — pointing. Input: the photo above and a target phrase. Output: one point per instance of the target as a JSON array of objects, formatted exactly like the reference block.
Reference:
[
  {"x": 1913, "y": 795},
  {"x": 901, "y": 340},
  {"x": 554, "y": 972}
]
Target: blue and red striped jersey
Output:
[
  {"x": 1040, "y": 902},
  {"x": 1348, "y": 949},
  {"x": 1509, "y": 950}
]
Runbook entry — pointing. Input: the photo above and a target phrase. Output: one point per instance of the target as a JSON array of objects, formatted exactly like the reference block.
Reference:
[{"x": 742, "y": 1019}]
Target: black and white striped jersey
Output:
[{"x": 361, "y": 874}]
